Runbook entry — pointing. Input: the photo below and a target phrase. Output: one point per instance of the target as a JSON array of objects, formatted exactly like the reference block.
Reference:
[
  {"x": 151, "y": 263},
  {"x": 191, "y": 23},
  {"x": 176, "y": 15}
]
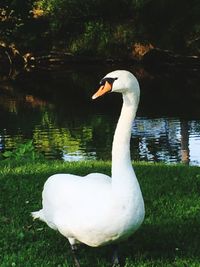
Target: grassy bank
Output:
[{"x": 170, "y": 234}]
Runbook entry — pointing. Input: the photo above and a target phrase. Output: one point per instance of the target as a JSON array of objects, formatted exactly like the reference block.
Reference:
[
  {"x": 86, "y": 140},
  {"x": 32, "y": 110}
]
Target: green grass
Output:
[{"x": 169, "y": 236}]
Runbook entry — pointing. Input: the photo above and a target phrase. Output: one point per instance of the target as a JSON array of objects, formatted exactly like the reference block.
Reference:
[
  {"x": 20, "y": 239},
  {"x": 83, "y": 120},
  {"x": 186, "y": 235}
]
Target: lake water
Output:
[{"x": 55, "y": 110}]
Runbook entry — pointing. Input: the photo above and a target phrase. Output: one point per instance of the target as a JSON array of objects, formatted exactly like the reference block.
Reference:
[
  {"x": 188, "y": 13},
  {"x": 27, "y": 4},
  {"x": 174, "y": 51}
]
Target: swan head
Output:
[{"x": 120, "y": 81}]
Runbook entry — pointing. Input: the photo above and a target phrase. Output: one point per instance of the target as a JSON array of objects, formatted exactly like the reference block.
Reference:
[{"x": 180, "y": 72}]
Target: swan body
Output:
[{"x": 97, "y": 209}]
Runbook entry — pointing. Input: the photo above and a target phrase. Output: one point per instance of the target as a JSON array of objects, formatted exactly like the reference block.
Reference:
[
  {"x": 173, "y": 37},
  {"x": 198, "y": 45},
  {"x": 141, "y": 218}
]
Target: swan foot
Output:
[
  {"x": 74, "y": 254},
  {"x": 115, "y": 258}
]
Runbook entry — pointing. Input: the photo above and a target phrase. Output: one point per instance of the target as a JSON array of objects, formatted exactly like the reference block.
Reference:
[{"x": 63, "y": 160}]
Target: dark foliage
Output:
[{"x": 93, "y": 27}]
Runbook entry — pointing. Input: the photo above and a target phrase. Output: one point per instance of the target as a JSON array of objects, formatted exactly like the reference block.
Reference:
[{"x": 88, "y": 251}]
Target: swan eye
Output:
[{"x": 107, "y": 79}]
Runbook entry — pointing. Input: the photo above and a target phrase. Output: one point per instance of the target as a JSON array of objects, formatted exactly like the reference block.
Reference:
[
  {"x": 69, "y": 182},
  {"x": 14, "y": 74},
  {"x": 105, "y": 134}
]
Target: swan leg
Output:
[
  {"x": 74, "y": 250},
  {"x": 115, "y": 257},
  {"x": 74, "y": 254}
]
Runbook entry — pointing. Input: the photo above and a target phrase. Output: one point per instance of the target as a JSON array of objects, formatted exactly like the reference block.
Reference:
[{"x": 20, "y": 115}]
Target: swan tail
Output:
[{"x": 38, "y": 215}]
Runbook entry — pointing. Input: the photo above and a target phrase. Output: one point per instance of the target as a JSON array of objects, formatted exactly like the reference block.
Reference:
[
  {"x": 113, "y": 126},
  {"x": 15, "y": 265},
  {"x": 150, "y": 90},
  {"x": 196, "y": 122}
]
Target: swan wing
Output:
[{"x": 75, "y": 205}]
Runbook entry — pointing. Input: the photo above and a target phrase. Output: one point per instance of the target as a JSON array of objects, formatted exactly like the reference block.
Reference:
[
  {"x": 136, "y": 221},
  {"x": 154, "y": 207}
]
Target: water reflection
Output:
[
  {"x": 56, "y": 112},
  {"x": 163, "y": 139}
]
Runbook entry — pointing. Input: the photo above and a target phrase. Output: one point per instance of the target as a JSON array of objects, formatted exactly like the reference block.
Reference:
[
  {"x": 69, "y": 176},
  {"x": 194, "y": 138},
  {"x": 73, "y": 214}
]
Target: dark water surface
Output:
[{"x": 55, "y": 110}]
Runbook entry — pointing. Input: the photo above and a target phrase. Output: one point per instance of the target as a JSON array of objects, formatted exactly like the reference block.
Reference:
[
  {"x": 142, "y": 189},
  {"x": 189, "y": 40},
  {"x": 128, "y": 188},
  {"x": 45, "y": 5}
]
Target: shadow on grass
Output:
[{"x": 152, "y": 243}]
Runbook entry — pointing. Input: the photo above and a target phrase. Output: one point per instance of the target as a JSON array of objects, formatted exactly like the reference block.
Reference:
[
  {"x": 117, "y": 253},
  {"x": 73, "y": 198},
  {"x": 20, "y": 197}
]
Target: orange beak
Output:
[{"x": 102, "y": 90}]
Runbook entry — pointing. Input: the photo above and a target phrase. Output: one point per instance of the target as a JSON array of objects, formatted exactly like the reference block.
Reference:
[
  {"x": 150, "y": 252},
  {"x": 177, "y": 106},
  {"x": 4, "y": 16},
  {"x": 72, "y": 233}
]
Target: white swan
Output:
[{"x": 96, "y": 209}]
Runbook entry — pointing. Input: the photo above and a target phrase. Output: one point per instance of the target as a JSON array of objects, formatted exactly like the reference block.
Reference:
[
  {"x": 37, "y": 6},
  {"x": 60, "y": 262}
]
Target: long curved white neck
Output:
[{"x": 121, "y": 159}]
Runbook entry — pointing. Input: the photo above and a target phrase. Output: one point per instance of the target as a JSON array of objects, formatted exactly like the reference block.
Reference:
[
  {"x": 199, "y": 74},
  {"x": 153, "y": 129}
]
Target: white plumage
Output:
[{"x": 98, "y": 209}]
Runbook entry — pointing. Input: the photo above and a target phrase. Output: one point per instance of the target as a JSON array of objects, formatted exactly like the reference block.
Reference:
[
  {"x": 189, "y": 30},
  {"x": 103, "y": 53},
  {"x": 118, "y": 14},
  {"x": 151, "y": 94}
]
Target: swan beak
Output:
[{"x": 102, "y": 90}]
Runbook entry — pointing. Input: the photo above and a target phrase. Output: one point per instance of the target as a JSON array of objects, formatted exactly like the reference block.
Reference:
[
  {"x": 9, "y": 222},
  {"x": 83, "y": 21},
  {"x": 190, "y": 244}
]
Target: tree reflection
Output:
[
  {"x": 185, "y": 152},
  {"x": 57, "y": 114}
]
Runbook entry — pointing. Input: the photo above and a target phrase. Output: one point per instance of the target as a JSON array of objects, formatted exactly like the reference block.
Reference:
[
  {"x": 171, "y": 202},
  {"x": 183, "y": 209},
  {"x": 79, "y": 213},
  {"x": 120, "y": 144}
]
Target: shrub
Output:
[{"x": 25, "y": 151}]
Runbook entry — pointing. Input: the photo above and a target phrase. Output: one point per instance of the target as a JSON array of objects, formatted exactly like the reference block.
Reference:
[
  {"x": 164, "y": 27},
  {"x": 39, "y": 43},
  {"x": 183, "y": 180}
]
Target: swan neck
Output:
[{"x": 121, "y": 159}]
